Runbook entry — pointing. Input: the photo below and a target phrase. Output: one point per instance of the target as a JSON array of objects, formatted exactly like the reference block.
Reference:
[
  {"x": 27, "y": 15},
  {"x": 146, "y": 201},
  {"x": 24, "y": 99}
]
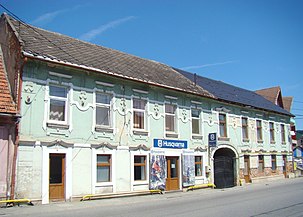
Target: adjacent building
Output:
[{"x": 95, "y": 120}]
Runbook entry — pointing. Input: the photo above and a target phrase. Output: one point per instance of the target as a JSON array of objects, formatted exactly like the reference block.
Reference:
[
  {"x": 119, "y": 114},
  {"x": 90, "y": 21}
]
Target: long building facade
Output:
[{"x": 97, "y": 121}]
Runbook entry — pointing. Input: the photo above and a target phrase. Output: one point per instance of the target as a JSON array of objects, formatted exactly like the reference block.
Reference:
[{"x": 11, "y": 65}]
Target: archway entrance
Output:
[{"x": 224, "y": 167}]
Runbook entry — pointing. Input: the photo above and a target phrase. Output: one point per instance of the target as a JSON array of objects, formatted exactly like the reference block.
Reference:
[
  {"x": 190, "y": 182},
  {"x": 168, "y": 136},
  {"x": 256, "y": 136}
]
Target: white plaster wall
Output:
[{"x": 123, "y": 173}]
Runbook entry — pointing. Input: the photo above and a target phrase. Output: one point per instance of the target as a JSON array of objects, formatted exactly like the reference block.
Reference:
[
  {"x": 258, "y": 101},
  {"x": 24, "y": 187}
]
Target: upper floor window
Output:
[
  {"x": 103, "y": 168},
  {"x": 139, "y": 117},
  {"x": 170, "y": 117},
  {"x": 272, "y": 132},
  {"x": 103, "y": 109},
  {"x": 198, "y": 165},
  {"x": 222, "y": 124},
  {"x": 283, "y": 133},
  {"x": 245, "y": 128},
  {"x": 139, "y": 167},
  {"x": 58, "y": 103},
  {"x": 259, "y": 130},
  {"x": 195, "y": 121}
]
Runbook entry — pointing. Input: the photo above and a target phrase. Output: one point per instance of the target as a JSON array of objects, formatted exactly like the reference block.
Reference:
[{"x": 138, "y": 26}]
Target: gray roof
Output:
[
  {"x": 50, "y": 46},
  {"x": 230, "y": 93}
]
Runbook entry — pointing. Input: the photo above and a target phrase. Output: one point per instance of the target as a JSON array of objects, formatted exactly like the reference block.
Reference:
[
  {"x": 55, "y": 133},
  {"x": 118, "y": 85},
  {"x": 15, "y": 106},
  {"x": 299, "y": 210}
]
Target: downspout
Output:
[{"x": 14, "y": 167}]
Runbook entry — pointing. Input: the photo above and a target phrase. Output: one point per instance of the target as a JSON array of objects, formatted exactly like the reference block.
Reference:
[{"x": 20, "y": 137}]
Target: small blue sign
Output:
[
  {"x": 212, "y": 139},
  {"x": 164, "y": 143}
]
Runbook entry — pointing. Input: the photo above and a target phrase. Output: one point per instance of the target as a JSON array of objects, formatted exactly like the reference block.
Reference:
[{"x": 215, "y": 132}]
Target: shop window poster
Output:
[
  {"x": 158, "y": 172},
  {"x": 188, "y": 170}
]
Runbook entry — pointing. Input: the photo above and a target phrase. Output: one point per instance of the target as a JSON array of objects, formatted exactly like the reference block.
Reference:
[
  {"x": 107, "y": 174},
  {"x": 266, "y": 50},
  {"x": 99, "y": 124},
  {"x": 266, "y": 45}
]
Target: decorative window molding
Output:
[
  {"x": 104, "y": 84},
  {"x": 170, "y": 97},
  {"x": 140, "y": 91},
  {"x": 60, "y": 75},
  {"x": 103, "y": 116}
]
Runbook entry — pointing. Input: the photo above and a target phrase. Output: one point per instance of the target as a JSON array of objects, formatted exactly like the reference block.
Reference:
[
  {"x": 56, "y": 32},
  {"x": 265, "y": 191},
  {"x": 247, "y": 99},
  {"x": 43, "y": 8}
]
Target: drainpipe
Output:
[{"x": 14, "y": 167}]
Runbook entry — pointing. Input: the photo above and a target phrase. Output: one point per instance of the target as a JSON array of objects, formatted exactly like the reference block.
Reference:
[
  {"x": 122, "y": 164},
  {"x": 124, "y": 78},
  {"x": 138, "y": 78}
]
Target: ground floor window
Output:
[
  {"x": 261, "y": 164},
  {"x": 139, "y": 167},
  {"x": 273, "y": 163},
  {"x": 198, "y": 165},
  {"x": 103, "y": 168}
]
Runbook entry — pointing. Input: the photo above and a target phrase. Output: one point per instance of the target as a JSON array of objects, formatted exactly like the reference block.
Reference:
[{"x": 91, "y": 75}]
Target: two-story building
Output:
[{"x": 96, "y": 120}]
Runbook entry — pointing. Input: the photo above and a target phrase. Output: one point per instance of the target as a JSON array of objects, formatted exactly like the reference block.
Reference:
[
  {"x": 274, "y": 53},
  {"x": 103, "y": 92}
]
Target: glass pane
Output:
[
  {"x": 57, "y": 110},
  {"x": 198, "y": 170},
  {"x": 57, "y": 91},
  {"x": 261, "y": 166},
  {"x": 139, "y": 159},
  {"x": 169, "y": 123},
  {"x": 139, "y": 120},
  {"x": 222, "y": 130},
  {"x": 139, "y": 173},
  {"x": 55, "y": 176},
  {"x": 221, "y": 118},
  {"x": 139, "y": 104},
  {"x": 103, "y": 98},
  {"x": 103, "y": 173},
  {"x": 103, "y": 158},
  {"x": 102, "y": 116},
  {"x": 170, "y": 109},
  {"x": 244, "y": 122},
  {"x": 195, "y": 126},
  {"x": 195, "y": 113},
  {"x": 244, "y": 132},
  {"x": 173, "y": 168}
]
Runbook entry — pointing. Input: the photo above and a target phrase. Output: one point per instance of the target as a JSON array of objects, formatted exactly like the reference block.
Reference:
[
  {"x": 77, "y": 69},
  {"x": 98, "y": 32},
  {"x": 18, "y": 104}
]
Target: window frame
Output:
[
  {"x": 196, "y": 119},
  {"x": 245, "y": 129},
  {"x": 108, "y": 164},
  {"x": 259, "y": 131},
  {"x": 62, "y": 99},
  {"x": 272, "y": 132},
  {"x": 224, "y": 123},
  {"x": 274, "y": 163},
  {"x": 283, "y": 134},
  {"x": 174, "y": 115},
  {"x": 199, "y": 163},
  {"x": 144, "y": 111},
  {"x": 144, "y": 165},
  {"x": 103, "y": 105}
]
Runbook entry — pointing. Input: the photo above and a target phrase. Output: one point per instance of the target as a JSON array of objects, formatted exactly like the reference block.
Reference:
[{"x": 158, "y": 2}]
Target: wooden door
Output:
[
  {"x": 246, "y": 169},
  {"x": 172, "y": 180},
  {"x": 285, "y": 166},
  {"x": 56, "y": 176}
]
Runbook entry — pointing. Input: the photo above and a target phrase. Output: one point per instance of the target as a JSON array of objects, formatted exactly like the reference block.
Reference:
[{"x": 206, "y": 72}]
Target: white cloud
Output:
[
  {"x": 208, "y": 65},
  {"x": 48, "y": 17},
  {"x": 90, "y": 35}
]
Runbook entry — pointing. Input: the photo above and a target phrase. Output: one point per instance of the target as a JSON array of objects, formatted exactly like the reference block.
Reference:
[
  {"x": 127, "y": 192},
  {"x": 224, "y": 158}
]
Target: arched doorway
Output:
[{"x": 224, "y": 167}]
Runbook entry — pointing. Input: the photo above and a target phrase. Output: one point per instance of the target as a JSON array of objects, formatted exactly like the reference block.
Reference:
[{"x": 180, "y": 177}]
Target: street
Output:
[{"x": 279, "y": 198}]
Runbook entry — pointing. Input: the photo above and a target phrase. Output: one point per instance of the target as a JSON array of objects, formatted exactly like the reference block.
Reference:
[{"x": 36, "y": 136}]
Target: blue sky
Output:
[{"x": 252, "y": 44}]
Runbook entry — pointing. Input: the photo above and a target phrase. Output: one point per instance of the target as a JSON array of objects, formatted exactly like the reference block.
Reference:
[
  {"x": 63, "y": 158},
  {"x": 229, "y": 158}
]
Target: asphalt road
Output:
[{"x": 279, "y": 198}]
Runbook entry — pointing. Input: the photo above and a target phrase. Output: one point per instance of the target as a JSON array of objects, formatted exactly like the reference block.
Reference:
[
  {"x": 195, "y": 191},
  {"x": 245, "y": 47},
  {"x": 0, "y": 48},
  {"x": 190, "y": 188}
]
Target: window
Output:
[
  {"x": 273, "y": 163},
  {"x": 58, "y": 103},
  {"x": 139, "y": 119},
  {"x": 272, "y": 132},
  {"x": 259, "y": 130},
  {"x": 170, "y": 117},
  {"x": 261, "y": 164},
  {"x": 282, "y": 133},
  {"x": 198, "y": 165},
  {"x": 103, "y": 168},
  {"x": 195, "y": 119},
  {"x": 139, "y": 168},
  {"x": 222, "y": 123},
  {"x": 103, "y": 111},
  {"x": 245, "y": 129}
]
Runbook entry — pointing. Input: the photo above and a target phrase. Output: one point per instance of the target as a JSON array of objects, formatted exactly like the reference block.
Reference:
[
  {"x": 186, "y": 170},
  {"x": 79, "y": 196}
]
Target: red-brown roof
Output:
[
  {"x": 287, "y": 102},
  {"x": 7, "y": 105}
]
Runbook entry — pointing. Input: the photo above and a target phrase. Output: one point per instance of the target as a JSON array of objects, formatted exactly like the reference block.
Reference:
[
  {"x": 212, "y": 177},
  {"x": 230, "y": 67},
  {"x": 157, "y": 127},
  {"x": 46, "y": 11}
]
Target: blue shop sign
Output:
[{"x": 164, "y": 143}]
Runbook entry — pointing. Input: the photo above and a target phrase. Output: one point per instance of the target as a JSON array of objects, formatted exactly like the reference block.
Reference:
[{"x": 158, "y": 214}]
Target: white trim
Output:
[
  {"x": 104, "y": 84},
  {"x": 140, "y": 91},
  {"x": 60, "y": 75},
  {"x": 134, "y": 183},
  {"x": 171, "y": 97}
]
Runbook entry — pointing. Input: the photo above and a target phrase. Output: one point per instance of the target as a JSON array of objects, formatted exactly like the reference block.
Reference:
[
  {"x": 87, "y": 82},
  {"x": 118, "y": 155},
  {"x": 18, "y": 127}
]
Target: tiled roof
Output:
[
  {"x": 287, "y": 102},
  {"x": 270, "y": 94},
  {"x": 60, "y": 48},
  {"x": 7, "y": 104},
  {"x": 234, "y": 94}
]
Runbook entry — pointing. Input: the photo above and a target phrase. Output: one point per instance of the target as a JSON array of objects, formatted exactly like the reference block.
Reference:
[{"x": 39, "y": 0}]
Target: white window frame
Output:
[
  {"x": 144, "y": 111},
  {"x": 226, "y": 124},
  {"x": 246, "y": 128},
  {"x": 137, "y": 183},
  {"x": 272, "y": 141},
  {"x": 175, "y": 118},
  {"x": 66, "y": 100},
  {"x": 199, "y": 120},
  {"x": 261, "y": 128},
  {"x": 102, "y": 105}
]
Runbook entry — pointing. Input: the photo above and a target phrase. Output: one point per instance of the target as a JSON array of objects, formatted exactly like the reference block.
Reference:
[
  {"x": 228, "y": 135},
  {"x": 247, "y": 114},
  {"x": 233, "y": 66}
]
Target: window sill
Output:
[
  {"x": 272, "y": 142},
  {"x": 224, "y": 139},
  {"x": 104, "y": 129},
  {"x": 260, "y": 141},
  {"x": 58, "y": 125},
  {"x": 171, "y": 135},
  {"x": 245, "y": 140},
  {"x": 140, "y": 133},
  {"x": 197, "y": 137}
]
